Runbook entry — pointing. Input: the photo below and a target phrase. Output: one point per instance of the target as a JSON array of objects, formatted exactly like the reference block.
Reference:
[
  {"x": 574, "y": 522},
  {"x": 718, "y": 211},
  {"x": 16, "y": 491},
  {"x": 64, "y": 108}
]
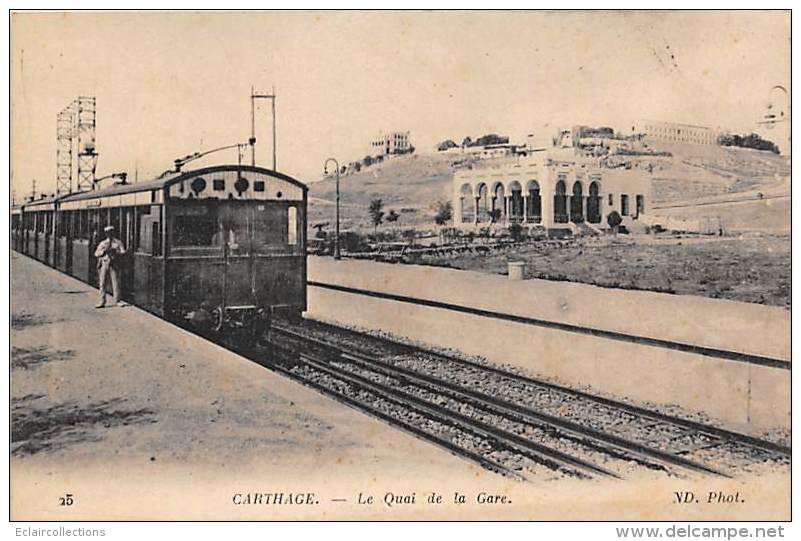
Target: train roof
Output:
[
  {"x": 154, "y": 184},
  {"x": 42, "y": 201},
  {"x": 172, "y": 178}
]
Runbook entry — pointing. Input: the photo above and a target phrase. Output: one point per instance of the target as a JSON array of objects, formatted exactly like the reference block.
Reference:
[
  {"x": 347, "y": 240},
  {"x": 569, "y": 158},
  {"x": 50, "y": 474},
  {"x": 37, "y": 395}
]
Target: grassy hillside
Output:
[
  {"x": 697, "y": 171},
  {"x": 410, "y": 184},
  {"x": 407, "y": 184}
]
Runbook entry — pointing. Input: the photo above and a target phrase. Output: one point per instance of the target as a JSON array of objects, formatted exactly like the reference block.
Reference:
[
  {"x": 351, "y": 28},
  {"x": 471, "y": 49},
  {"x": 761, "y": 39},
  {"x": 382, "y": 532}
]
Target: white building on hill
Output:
[
  {"x": 674, "y": 132},
  {"x": 396, "y": 142},
  {"x": 552, "y": 189}
]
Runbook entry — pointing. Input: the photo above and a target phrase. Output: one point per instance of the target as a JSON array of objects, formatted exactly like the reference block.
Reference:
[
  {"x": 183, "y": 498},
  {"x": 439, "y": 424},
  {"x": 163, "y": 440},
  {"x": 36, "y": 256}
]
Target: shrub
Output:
[{"x": 614, "y": 219}]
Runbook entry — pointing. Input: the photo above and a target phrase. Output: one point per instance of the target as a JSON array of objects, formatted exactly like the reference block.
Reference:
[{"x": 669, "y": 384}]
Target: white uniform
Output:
[{"x": 106, "y": 252}]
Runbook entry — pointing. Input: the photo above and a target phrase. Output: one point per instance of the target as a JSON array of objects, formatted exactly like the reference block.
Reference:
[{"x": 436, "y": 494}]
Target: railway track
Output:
[
  {"x": 482, "y": 438},
  {"x": 505, "y": 426}
]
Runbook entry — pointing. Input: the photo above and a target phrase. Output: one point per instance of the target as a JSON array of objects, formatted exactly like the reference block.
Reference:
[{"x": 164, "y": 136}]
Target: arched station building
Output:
[{"x": 550, "y": 189}]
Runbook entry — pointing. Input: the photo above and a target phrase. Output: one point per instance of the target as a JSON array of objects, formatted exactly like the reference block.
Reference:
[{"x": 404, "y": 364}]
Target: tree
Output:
[
  {"x": 376, "y": 213},
  {"x": 747, "y": 141},
  {"x": 491, "y": 139},
  {"x": 467, "y": 141},
  {"x": 495, "y": 216},
  {"x": 446, "y": 144},
  {"x": 367, "y": 161},
  {"x": 443, "y": 212},
  {"x": 614, "y": 220},
  {"x": 393, "y": 216}
]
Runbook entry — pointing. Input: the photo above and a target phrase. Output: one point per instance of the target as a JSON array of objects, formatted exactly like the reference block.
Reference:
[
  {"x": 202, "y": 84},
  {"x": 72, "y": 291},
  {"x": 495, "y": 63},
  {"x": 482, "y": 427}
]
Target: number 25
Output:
[{"x": 66, "y": 500}]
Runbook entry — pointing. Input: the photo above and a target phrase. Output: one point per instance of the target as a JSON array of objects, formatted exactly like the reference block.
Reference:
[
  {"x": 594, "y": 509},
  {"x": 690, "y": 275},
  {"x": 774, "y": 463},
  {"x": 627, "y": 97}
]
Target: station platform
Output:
[{"x": 137, "y": 418}]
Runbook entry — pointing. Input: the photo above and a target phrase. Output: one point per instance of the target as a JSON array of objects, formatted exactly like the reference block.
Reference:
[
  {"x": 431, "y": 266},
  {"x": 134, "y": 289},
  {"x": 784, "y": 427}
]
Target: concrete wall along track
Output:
[{"x": 725, "y": 359}]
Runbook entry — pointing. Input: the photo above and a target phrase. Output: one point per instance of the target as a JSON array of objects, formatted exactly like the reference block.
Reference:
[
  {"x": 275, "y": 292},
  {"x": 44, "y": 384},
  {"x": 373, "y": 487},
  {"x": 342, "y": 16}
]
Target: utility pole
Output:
[
  {"x": 252, "y": 141},
  {"x": 337, "y": 255}
]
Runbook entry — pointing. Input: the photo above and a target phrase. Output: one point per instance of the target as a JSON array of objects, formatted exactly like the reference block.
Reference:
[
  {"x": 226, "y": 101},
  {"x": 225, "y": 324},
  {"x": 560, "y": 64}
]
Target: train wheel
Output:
[{"x": 217, "y": 319}]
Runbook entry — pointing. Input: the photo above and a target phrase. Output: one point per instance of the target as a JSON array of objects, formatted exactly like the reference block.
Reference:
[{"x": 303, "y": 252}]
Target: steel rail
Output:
[
  {"x": 446, "y": 444},
  {"x": 535, "y": 451},
  {"x": 701, "y": 428}
]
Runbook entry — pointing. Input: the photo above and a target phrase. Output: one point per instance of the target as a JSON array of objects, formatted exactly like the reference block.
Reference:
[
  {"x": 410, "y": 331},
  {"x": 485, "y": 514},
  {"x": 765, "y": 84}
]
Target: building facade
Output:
[
  {"x": 396, "y": 142},
  {"x": 676, "y": 133},
  {"x": 551, "y": 189}
]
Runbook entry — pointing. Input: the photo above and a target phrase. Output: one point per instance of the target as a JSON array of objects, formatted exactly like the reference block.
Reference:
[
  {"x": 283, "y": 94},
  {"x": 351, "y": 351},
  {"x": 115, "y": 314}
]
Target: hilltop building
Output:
[
  {"x": 553, "y": 189},
  {"x": 674, "y": 132},
  {"x": 396, "y": 142}
]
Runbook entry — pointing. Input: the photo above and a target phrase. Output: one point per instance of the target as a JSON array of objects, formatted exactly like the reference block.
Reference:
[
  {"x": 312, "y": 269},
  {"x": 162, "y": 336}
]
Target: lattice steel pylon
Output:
[
  {"x": 75, "y": 149},
  {"x": 64, "y": 122},
  {"x": 86, "y": 117}
]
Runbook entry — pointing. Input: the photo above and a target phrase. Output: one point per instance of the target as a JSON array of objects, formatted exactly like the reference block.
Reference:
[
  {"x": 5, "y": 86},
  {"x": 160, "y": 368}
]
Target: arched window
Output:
[
  {"x": 466, "y": 204},
  {"x": 594, "y": 203},
  {"x": 483, "y": 202},
  {"x": 560, "y": 202},
  {"x": 534, "y": 210},
  {"x": 516, "y": 201},
  {"x": 577, "y": 203},
  {"x": 499, "y": 202}
]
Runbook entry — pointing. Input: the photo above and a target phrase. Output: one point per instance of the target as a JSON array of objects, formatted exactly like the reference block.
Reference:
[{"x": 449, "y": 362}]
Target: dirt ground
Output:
[{"x": 753, "y": 268}]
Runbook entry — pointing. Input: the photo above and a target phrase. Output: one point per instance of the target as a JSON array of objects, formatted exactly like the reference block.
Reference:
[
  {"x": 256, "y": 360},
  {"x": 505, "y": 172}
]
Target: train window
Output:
[
  {"x": 237, "y": 232},
  {"x": 145, "y": 238},
  {"x": 219, "y": 184},
  {"x": 292, "y": 226},
  {"x": 191, "y": 230},
  {"x": 269, "y": 228},
  {"x": 114, "y": 221},
  {"x": 258, "y": 186},
  {"x": 156, "y": 238},
  {"x": 63, "y": 223},
  {"x": 83, "y": 224}
]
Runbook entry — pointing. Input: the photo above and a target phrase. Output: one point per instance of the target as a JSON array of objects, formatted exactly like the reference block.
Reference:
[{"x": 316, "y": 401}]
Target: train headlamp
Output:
[
  {"x": 241, "y": 185},
  {"x": 198, "y": 185}
]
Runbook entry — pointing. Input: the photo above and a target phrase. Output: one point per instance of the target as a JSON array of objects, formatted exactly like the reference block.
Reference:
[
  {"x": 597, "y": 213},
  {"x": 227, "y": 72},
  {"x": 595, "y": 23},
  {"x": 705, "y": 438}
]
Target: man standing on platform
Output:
[{"x": 108, "y": 254}]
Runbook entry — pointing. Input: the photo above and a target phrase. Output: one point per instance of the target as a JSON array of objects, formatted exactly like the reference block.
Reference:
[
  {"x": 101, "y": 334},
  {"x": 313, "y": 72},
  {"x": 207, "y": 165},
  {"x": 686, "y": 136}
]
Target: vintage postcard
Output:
[{"x": 400, "y": 265}]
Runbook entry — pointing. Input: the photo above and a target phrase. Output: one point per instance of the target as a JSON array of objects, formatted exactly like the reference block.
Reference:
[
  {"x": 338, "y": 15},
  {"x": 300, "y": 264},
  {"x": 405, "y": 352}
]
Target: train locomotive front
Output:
[
  {"x": 218, "y": 249},
  {"x": 236, "y": 249}
]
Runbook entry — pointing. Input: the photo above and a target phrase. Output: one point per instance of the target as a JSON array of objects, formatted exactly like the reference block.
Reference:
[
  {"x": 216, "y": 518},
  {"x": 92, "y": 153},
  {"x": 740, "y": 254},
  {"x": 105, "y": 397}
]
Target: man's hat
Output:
[{"x": 108, "y": 228}]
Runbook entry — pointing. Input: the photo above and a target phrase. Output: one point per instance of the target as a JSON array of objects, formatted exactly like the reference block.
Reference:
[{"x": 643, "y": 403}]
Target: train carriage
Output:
[
  {"x": 38, "y": 222},
  {"x": 17, "y": 231},
  {"x": 221, "y": 247}
]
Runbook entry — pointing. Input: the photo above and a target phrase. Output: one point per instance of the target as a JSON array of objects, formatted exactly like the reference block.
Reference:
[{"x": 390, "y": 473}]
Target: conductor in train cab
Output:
[{"x": 108, "y": 253}]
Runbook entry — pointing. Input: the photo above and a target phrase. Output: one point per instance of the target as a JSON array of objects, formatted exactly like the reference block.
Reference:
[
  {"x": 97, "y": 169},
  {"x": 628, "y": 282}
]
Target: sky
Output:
[{"x": 169, "y": 84}]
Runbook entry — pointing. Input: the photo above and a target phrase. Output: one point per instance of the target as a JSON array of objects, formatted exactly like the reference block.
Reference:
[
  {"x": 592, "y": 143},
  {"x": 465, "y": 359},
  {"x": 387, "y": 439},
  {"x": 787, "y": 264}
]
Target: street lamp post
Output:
[{"x": 336, "y": 237}]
